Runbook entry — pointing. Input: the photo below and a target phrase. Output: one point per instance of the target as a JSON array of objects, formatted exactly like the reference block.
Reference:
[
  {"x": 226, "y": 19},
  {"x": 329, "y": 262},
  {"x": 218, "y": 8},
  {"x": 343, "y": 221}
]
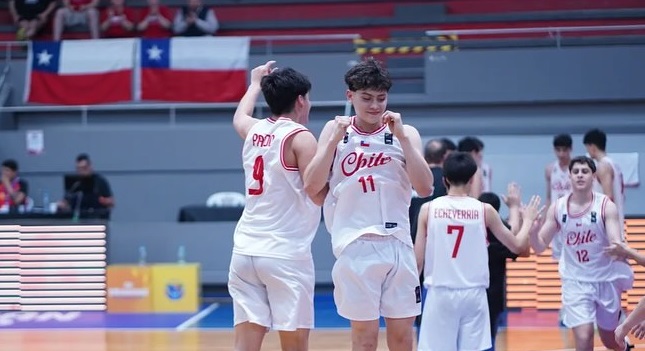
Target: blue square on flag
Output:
[
  {"x": 45, "y": 56},
  {"x": 155, "y": 53}
]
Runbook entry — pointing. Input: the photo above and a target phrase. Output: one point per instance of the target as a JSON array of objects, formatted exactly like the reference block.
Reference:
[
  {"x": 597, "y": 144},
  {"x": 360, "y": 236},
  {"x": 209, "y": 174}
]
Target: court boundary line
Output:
[
  {"x": 199, "y": 316},
  {"x": 599, "y": 348}
]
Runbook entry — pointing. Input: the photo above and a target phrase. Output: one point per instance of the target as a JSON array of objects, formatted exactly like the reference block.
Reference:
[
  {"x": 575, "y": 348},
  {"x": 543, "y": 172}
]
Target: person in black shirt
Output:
[
  {"x": 99, "y": 201},
  {"x": 497, "y": 256}
]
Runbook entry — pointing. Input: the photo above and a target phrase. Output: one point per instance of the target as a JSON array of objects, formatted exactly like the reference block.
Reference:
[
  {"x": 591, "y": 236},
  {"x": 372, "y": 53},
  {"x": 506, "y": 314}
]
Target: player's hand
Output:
[
  {"x": 531, "y": 211},
  {"x": 619, "y": 250},
  {"x": 260, "y": 71},
  {"x": 639, "y": 331},
  {"x": 341, "y": 123},
  {"x": 513, "y": 195},
  {"x": 620, "y": 333},
  {"x": 394, "y": 122}
]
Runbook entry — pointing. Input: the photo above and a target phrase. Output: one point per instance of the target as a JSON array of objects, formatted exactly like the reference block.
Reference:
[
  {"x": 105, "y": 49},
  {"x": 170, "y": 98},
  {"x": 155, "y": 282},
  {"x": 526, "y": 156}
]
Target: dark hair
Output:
[
  {"x": 470, "y": 144},
  {"x": 83, "y": 157},
  {"x": 435, "y": 151},
  {"x": 368, "y": 75},
  {"x": 491, "y": 199},
  {"x": 282, "y": 87},
  {"x": 459, "y": 167},
  {"x": 596, "y": 137},
  {"x": 11, "y": 164},
  {"x": 583, "y": 160},
  {"x": 450, "y": 145},
  {"x": 563, "y": 140}
]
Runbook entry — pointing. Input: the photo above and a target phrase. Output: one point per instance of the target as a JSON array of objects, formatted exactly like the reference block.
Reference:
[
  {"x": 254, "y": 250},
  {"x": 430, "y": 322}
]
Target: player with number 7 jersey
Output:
[{"x": 452, "y": 249}]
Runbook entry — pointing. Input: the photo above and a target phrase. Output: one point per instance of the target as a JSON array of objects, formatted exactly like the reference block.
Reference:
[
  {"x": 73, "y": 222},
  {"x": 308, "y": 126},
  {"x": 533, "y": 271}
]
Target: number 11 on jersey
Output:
[{"x": 367, "y": 183}]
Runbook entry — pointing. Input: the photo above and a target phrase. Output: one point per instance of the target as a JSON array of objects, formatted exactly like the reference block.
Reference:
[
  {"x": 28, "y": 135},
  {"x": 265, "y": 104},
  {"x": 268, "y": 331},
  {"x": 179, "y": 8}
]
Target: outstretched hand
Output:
[
  {"x": 260, "y": 71},
  {"x": 513, "y": 195}
]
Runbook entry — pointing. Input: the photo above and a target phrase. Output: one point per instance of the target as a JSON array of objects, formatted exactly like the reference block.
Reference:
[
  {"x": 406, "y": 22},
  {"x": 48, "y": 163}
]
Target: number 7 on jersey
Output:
[{"x": 459, "y": 229}]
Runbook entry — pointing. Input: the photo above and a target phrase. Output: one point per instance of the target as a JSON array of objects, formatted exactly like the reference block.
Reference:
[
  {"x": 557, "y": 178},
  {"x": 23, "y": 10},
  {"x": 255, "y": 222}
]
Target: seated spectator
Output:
[
  {"x": 30, "y": 16},
  {"x": 13, "y": 190},
  {"x": 117, "y": 20},
  {"x": 195, "y": 20},
  {"x": 77, "y": 13},
  {"x": 156, "y": 21},
  {"x": 99, "y": 201}
]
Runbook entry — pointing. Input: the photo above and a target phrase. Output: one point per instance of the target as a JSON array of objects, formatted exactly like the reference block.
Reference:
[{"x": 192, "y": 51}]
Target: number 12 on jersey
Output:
[
  {"x": 459, "y": 230},
  {"x": 258, "y": 175}
]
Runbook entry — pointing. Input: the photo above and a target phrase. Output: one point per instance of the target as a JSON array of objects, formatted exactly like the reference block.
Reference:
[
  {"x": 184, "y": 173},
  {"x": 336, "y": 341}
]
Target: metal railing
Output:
[
  {"x": 268, "y": 40},
  {"x": 554, "y": 32},
  {"x": 172, "y": 108}
]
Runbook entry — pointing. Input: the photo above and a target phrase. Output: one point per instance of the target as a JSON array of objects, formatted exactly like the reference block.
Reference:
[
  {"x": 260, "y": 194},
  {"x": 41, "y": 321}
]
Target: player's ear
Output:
[{"x": 349, "y": 94}]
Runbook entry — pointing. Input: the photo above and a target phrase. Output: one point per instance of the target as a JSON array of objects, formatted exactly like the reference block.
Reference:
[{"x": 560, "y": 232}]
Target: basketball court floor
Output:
[{"x": 211, "y": 329}]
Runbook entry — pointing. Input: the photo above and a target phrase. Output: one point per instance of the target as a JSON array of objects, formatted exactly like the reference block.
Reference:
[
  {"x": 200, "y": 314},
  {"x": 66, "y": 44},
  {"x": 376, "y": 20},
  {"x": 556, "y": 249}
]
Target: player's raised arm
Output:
[
  {"x": 541, "y": 240},
  {"x": 519, "y": 243},
  {"x": 243, "y": 118},
  {"x": 317, "y": 172}
]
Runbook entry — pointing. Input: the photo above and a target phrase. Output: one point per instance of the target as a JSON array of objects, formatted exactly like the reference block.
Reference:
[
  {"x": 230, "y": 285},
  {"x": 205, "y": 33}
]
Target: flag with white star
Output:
[
  {"x": 80, "y": 72},
  {"x": 195, "y": 69}
]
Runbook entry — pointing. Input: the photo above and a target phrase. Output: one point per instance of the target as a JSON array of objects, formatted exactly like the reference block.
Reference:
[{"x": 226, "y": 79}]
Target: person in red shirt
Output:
[
  {"x": 75, "y": 13},
  {"x": 117, "y": 20},
  {"x": 156, "y": 21}
]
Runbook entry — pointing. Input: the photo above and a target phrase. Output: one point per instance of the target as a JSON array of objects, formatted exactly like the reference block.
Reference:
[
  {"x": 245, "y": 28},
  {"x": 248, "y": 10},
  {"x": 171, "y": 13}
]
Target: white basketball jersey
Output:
[
  {"x": 584, "y": 239},
  {"x": 560, "y": 181},
  {"x": 279, "y": 219},
  {"x": 487, "y": 178},
  {"x": 457, "y": 244},
  {"x": 369, "y": 189}
]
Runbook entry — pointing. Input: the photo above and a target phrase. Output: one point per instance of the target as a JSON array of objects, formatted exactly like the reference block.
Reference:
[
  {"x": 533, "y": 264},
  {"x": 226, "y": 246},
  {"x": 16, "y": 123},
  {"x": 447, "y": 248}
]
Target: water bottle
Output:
[
  {"x": 45, "y": 202},
  {"x": 181, "y": 254},
  {"x": 142, "y": 255}
]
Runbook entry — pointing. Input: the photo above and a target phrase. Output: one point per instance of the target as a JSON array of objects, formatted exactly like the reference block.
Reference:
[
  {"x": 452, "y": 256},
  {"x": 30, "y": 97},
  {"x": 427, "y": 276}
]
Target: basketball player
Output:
[
  {"x": 609, "y": 175},
  {"x": 558, "y": 182},
  {"x": 375, "y": 160},
  {"x": 592, "y": 281},
  {"x": 451, "y": 247},
  {"x": 271, "y": 276}
]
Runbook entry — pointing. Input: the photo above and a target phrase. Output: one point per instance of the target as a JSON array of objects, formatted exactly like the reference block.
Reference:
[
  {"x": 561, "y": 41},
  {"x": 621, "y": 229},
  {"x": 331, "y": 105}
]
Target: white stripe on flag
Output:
[
  {"x": 210, "y": 53},
  {"x": 96, "y": 56}
]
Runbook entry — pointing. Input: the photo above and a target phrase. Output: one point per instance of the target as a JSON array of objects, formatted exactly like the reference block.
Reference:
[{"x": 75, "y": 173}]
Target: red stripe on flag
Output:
[
  {"x": 192, "y": 86},
  {"x": 80, "y": 89}
]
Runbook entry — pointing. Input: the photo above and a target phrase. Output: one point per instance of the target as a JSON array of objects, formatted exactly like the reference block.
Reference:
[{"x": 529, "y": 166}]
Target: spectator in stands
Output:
[
  {"x": 99, "y": 200},
  {"x": 77, "y": 13},
  {"x": 30, "y": 16},
  {"x": 117, "y": 20},
  {"x": 156, "y": 21},
  {"x": 195, "y": 20},
  {"x": 450, "y": 146},
  {"x": 473, "y": 146},
  {"x": 13, "y": 190}
]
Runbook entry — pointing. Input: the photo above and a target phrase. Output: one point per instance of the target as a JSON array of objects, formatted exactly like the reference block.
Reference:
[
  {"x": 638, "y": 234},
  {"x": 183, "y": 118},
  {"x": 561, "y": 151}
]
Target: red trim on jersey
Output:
[
  {"x": 273, "y": 120},
  {"x": 484, "y": 224},
  {"x": 286, "y": 137},
  {"x": 602, "y": 211},
  {"x": 360, "y": 132},
  {"x": 555, "y": 212},
  {"x": 584, "y": 212}
]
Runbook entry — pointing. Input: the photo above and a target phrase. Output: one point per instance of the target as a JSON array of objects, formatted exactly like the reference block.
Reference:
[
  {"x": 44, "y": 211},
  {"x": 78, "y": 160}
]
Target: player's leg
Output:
[
  {"x": 401, "y": 299},
  {"x": 358, "y": 275},
  {"x": 251, "y": 314},
  {"x": 608, "y": 315},
  {"x": 474, "y": 329},
  {"x": 579, "y": 312},
  {"x": 290, "y": 290}
]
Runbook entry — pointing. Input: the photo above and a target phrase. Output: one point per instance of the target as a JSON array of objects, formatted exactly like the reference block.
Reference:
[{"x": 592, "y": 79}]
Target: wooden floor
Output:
[{"x": 211, "y": 340}]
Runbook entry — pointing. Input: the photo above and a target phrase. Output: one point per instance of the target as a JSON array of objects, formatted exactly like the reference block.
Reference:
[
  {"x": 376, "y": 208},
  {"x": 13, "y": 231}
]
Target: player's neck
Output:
[
  {"x": 600, "y": 155},
  {"x": 564, "y": 164},
  {"x": 458, "y": 191},
  {"x": 581, "y": 196},
  {"x": 287, "y": 116},
  {"x": 366, "y": 127}
]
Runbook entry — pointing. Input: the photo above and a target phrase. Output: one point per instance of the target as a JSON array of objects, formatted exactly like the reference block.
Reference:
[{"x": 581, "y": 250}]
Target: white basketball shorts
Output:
[
  {"x": 376, "y": 276},
  {"x": 455, "y": 320},
  {"x": 585, "y": 303},
  {"x": 272, "y": 292}
]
